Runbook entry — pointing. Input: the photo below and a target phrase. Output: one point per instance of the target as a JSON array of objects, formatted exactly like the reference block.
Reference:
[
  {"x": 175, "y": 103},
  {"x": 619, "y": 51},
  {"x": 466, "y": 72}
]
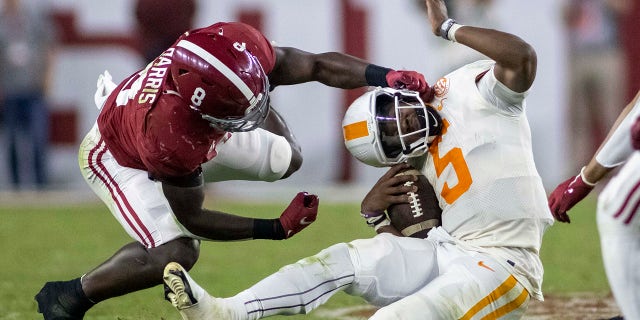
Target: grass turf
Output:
[{"x": 40, "y": 244}]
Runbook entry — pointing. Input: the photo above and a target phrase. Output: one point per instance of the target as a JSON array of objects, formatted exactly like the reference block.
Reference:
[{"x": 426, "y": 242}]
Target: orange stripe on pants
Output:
[{"x": 505, "y": 287}]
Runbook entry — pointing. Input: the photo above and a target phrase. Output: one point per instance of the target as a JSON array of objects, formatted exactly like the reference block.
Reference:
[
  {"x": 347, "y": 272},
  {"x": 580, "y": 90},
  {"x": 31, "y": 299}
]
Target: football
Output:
[{"x": 416, "y": 218}]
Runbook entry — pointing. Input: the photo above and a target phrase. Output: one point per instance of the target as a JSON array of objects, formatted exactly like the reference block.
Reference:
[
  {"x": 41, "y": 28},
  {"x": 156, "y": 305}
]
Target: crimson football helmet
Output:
[
  {"x": 386, "y": 126},
  {"x": 221, "y": 80}
]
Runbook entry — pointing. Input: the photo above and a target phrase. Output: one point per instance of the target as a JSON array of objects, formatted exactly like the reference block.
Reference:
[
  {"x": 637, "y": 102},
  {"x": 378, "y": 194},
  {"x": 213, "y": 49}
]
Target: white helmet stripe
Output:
[{"x": 216, "y": 63}]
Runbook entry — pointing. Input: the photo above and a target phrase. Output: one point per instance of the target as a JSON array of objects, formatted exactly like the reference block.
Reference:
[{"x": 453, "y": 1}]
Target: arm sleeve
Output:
[
  {"x": 499, "y": 95},
  {"x": 618, "y": 147}
]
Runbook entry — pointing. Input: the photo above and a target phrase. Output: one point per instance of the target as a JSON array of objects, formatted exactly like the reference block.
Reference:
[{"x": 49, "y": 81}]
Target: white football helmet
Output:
[{"x": 377, "y": 137}]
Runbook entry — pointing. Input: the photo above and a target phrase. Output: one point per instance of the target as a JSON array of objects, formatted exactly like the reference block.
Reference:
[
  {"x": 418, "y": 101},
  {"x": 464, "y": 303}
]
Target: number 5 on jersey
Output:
[{"x": 455, "y": 158}]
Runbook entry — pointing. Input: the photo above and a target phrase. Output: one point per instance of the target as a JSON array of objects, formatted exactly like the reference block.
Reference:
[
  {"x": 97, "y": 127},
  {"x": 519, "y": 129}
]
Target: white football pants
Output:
[
  {"x": 137, "y": 202},
  {"x": 619, "y": 227},
  {"x": 408, "y": 278}
]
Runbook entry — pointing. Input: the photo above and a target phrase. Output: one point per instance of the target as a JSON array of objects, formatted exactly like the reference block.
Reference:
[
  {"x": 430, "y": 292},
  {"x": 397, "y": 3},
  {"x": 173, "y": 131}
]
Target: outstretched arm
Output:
[
  {"x": 616, "y": 147},
  {"x": 340, "y": 70},
  {"x": 186, "y": 198},
  {"x": 516, "y": 60},
  {"x": 331, "y": 68}
]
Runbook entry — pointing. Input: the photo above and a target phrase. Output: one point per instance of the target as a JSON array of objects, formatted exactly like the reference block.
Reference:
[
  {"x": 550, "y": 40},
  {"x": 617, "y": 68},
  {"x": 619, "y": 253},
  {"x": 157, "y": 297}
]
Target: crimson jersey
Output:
[{"x": 147, "y": 125}]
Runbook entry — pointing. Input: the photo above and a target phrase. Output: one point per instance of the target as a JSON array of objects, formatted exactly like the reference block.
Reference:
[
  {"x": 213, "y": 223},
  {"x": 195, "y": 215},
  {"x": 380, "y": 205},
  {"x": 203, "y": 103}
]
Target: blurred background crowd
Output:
[{"x": 51, "y": 53}]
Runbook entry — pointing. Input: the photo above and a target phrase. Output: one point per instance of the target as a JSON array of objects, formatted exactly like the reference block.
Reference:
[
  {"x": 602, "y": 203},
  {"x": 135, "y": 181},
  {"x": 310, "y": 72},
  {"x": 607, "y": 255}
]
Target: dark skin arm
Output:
[
  {"x": 295, "y": 66},
  {"x": 333, "y": 69},
  {"x": 516, "y": 60},
  {"x": 186, "y": 199}
]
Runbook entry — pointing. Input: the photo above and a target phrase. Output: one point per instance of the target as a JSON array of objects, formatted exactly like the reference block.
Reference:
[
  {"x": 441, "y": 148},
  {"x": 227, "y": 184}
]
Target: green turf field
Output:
[{"x": 42, "y": 243}]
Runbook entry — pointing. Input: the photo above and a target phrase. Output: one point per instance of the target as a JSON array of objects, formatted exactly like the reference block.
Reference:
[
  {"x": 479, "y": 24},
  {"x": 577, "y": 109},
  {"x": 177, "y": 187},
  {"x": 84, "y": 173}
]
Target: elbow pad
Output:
[{"x": 257, "y": 155}]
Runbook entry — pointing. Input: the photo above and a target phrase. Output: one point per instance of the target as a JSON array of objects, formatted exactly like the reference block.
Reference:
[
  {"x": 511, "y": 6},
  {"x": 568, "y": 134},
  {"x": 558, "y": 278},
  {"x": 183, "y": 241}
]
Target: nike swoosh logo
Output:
[
  {"x": 304, "y": 221},
  {"x": 481, "y": 264}
]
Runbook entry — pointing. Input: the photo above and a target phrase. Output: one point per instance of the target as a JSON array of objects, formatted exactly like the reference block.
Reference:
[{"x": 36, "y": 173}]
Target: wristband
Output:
[
  {"x": 268, "y": 229},
  {"x": 452, "y": 32},
  {"x": 590, "y": 184},
  {"x": 445, "y": 27},
  {"x": 376, "y": 75},
  {"x": 376, "y": 219},
  {"x": 383, "y": 223},
  {"x": 374, "y": 214}
]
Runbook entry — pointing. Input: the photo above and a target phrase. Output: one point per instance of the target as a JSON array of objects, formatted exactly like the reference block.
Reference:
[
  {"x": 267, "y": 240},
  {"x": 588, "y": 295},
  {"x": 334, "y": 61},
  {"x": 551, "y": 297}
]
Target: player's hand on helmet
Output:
[
  {"x": 406, "y": 79},
  {"x": 389, "y": 189},
  {"x": 410, "y": 80},
  {"x": 300, "y": 213},
  {"x": 635, "y": 134},
  {"x": 566, "y": 195}
]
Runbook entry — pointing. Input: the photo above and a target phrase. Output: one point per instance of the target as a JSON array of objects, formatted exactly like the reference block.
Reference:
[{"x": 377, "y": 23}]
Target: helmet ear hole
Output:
[{"x": 182, "y": 71}]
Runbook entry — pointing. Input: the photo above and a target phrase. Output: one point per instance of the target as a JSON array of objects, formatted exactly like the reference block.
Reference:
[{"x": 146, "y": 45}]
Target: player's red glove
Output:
[
  {"x": 635, "y": 134},
  {"x": 410, "y": 80},
  {"x": 566, "y": 195},
  {"x": 300, "y": 213}
]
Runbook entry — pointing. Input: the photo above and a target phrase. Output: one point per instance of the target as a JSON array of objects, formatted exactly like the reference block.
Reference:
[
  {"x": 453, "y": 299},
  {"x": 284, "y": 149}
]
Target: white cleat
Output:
[
  {"x": 176, "y": 287},
  {"x": 191, "y": 300}
]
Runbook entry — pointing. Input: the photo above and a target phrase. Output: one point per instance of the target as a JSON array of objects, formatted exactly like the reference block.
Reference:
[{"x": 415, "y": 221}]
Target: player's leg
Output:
[
  {"x": 39, "y": 135},
  {"x": 276, "y": 124},
  {"x": 193, "y": 301},
  {"x": 618, "y": 220},
  {"x": 132, "y": 268},
  {"x": 472, "y": 286},
  {"x": 139, "y": 205},
  {"x": 135, "y": 267},
  {"x": 620, "y": 254},
  {"x": 296, "y": 288},
  {"x": 359, "y": 268},
  {"x": 12, "y": 128},
  {"x": 256, "y": 155}
]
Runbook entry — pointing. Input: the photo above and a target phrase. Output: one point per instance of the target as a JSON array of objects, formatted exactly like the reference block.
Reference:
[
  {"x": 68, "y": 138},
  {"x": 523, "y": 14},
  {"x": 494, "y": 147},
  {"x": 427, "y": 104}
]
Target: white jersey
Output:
[
  {"x": 617, "y": 149},
  {"x": 484, "y": 175},
  {"x": 619, "y": 229},
  {"x": 620, "y": 199}
]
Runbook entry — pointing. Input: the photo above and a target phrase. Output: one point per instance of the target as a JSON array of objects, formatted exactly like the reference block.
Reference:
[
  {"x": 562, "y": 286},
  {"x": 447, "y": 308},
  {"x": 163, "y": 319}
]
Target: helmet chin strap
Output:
[{"x": 412, "y": 147}]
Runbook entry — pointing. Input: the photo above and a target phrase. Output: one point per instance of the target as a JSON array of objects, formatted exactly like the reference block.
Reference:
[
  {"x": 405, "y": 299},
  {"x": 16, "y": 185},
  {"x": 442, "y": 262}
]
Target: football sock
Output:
[{"x": 196, "y": 290}]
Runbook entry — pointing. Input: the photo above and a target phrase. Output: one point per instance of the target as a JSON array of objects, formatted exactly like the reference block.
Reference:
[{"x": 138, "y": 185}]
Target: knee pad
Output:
[{"x": 257, "y": 155}]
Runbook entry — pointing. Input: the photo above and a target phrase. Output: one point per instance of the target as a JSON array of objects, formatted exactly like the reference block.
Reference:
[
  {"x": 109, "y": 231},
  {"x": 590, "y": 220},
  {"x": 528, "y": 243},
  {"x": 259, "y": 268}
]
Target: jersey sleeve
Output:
[
  {"x": 255, "y": 41},
  {"x": 499, "y": 95},
  {"x": 618, "y": 147}
]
